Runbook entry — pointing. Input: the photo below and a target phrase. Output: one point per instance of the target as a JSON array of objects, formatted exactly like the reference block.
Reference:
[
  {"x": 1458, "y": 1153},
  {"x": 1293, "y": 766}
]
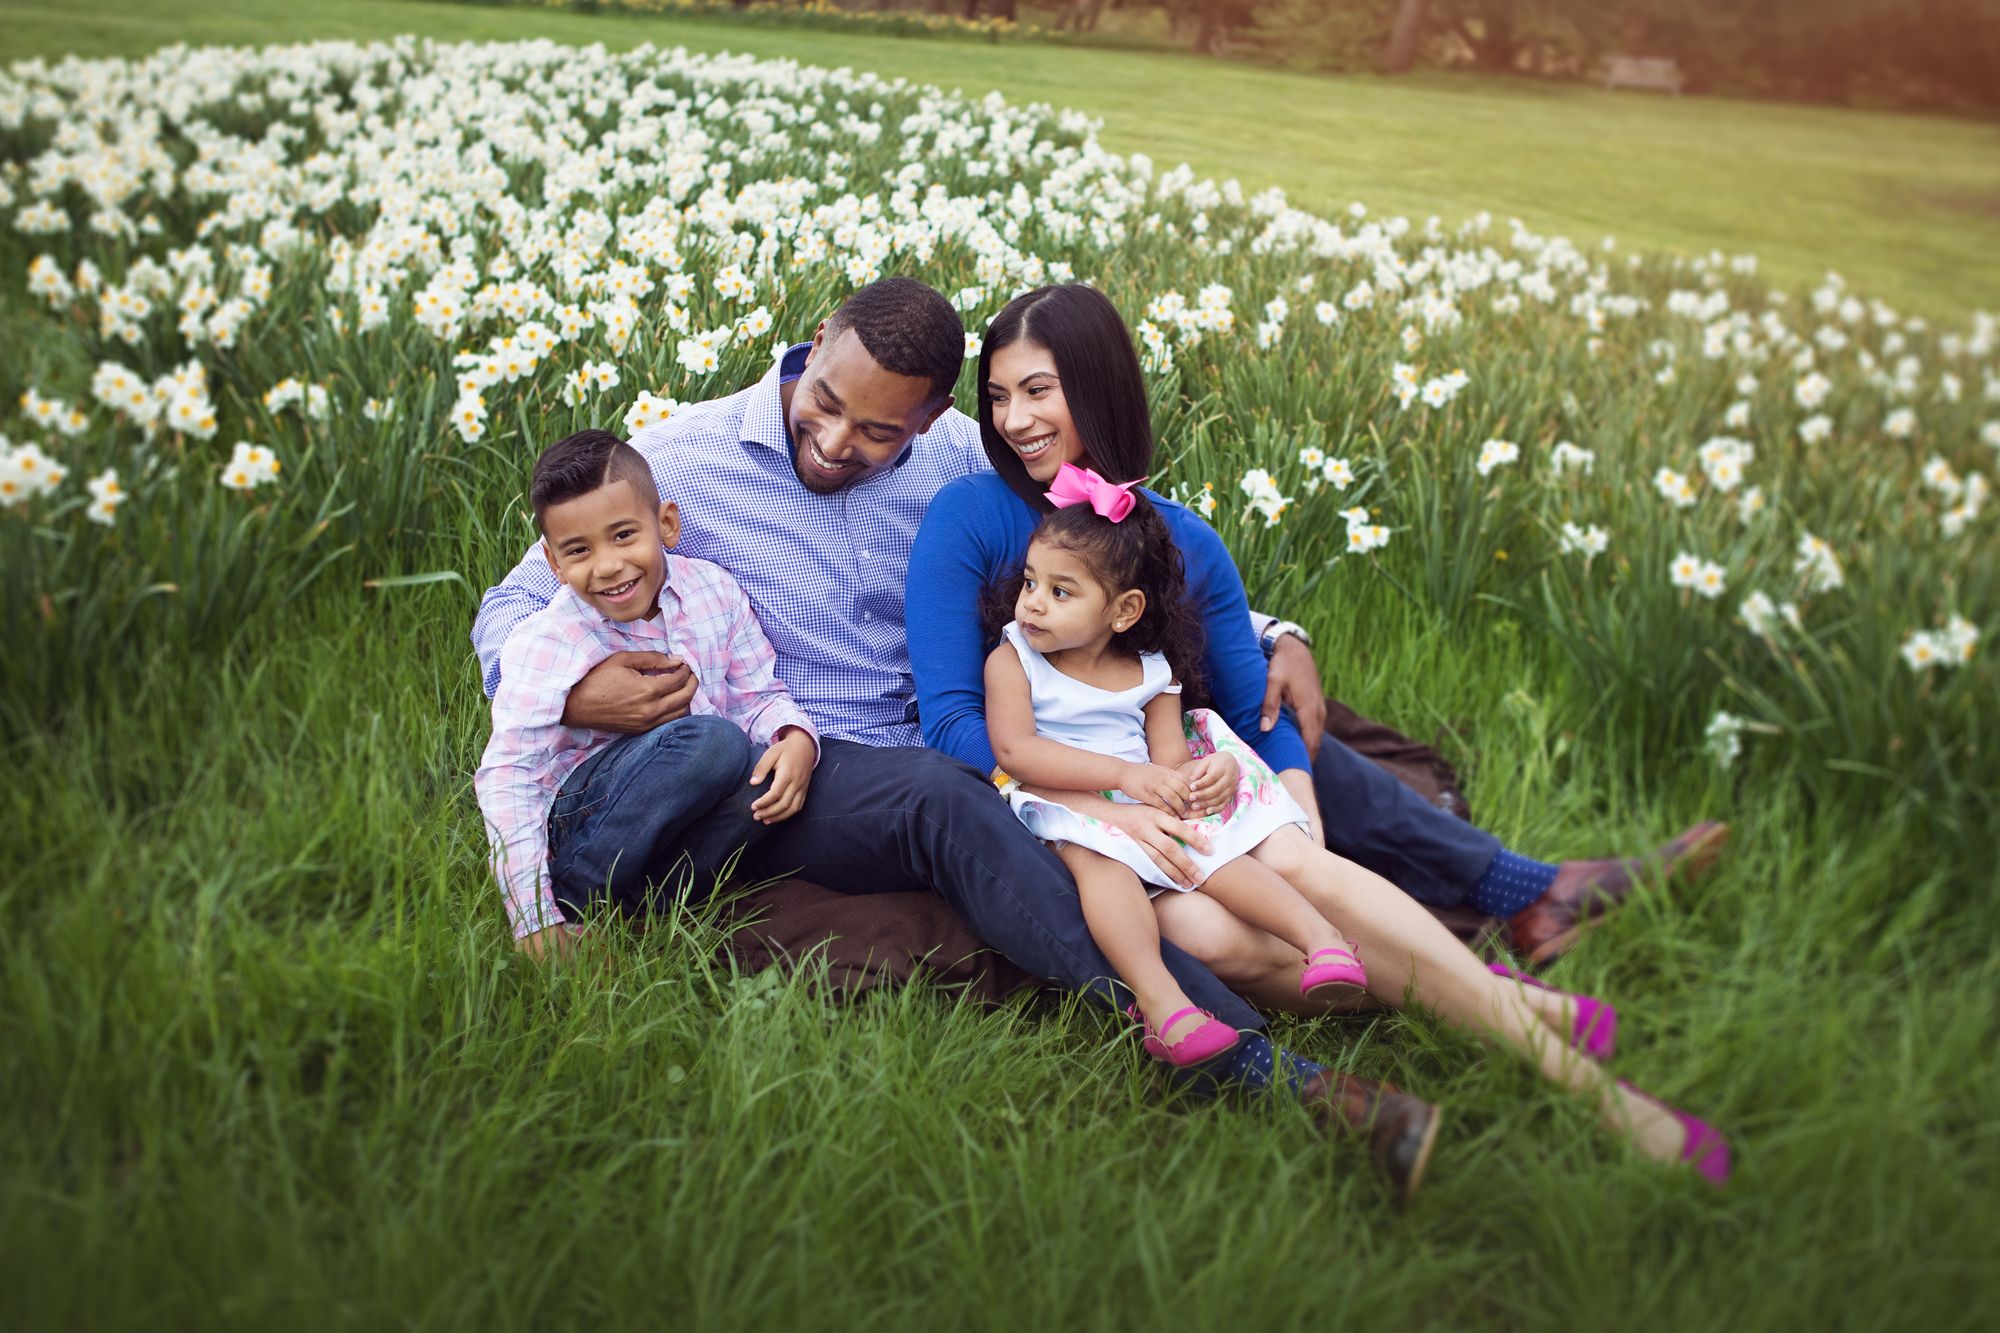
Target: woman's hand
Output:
[
  {"x": 1212, "y": 782},
  {"x": 1158, "y": 786},
  {"x": 1164, "y": 838}
]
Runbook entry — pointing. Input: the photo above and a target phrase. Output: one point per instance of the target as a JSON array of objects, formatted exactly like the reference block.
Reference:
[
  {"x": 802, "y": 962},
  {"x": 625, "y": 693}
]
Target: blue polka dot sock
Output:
[
  {"x": 1510, "y": 883},
  {"x": 1254, "y": 1064}
]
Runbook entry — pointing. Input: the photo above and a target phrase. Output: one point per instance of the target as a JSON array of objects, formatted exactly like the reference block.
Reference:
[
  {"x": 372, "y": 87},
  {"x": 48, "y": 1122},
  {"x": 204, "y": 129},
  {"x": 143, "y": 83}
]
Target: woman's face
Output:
[{"x": 1029, "y": 411}]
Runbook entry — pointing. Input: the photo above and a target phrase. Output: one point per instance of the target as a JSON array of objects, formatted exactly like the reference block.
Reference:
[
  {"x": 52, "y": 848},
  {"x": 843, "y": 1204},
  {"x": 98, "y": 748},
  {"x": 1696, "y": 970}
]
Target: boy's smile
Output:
[{"x": 609, "y": 546}]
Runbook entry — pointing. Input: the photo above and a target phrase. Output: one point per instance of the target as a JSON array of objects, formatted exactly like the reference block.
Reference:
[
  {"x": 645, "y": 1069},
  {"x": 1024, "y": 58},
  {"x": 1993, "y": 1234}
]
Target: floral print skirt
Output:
[{"x": 1262, "y": 807}]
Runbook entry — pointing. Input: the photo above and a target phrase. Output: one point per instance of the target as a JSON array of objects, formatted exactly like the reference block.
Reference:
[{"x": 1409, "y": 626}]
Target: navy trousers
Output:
[
  {"x": 1375, "y": 821},
  {"x": 886, "y": 819}
]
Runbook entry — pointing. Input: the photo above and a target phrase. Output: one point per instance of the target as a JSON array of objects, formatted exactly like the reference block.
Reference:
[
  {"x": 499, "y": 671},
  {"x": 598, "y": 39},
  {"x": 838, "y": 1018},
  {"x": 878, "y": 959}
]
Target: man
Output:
[{"x": 809, "y": 488}]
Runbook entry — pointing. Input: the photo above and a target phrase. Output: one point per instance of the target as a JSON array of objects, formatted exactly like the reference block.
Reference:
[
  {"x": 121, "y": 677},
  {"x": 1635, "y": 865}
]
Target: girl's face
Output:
[
  {"x": 1029, "y": 411},
  {"x": 1063, "y": 606}
]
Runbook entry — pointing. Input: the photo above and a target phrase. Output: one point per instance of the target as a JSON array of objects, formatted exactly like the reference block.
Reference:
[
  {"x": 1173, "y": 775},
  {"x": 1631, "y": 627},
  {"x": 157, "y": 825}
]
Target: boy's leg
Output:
[
  {"x": 880, "y": 819},
  {"x": 622, "y": 817}
]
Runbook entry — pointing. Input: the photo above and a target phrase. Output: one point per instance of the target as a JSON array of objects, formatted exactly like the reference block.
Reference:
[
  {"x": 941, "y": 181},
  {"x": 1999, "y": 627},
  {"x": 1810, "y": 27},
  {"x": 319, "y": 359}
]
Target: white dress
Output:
[{"x": 1113, "y": 722}]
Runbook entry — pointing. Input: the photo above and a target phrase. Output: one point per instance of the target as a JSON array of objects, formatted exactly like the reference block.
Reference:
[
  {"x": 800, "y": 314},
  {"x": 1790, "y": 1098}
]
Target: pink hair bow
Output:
[{"x": 1079, "y": 485}]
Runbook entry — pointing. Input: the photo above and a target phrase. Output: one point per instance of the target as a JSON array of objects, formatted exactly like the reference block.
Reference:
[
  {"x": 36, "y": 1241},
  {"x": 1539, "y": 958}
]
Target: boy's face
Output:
[{"x": 606, "y": 545}]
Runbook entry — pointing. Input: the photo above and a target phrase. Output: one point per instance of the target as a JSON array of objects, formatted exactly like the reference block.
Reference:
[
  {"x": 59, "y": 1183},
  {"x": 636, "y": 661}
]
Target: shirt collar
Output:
[{"x": 764, "y": 414}]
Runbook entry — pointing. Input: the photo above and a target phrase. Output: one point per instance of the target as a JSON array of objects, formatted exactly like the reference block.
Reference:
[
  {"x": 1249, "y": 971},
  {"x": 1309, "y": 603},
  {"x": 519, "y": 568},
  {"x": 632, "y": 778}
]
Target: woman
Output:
[{"x": 1059, "y": 383}]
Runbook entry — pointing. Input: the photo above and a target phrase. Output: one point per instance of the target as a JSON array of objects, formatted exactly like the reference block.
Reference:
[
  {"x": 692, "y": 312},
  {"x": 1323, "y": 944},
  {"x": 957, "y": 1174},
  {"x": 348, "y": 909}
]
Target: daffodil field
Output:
[{"x": 282, "y": 330}]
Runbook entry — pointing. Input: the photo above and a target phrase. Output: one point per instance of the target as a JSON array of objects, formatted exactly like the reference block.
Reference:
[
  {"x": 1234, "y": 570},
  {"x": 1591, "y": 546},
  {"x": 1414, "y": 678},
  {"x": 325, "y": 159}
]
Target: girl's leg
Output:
[
  {"x": 1257, "y": 965},
  {"x": 1413, "y": 958},
  {"x": 1120, "y": 917},
  {"x": 1259, "y": 895}
]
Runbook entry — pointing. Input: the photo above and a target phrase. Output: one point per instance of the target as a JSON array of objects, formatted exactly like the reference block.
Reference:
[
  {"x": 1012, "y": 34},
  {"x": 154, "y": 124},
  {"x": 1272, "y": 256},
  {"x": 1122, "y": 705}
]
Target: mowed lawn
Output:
[{"x": 1906, "y": 207}]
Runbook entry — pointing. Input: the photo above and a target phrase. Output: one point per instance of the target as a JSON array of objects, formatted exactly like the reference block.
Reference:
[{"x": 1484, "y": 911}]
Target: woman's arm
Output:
[{"x": 960, "y": 548}]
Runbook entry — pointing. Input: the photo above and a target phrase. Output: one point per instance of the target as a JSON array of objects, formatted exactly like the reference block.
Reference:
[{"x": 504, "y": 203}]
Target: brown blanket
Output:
[{"x": 872, "y": 939}]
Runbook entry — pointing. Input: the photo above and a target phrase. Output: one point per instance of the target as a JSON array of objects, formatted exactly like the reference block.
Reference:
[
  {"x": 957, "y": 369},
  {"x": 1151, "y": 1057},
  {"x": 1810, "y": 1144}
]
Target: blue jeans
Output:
[
  {"x": 661, "y": 813},
  {"x": 1374, "y": 820},
  {"x": 896, "y": 818}
]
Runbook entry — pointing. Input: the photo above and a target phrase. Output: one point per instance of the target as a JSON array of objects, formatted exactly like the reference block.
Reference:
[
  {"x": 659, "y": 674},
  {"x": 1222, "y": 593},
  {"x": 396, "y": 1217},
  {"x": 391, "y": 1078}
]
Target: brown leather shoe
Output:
[
  {"x": 1401, "y": 1129},
  {"x": 1585, "y": 890}
]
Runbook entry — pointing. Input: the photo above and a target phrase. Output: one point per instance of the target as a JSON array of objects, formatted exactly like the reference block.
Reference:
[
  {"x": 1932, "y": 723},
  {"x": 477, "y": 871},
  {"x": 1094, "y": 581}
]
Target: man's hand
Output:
[
  {"x": 788, "y": 762},
  {"x": 630, "y": 693},
  {"x": 564, "y": 940},
  {"x": 1161, "y": 835},
  {"x": 1158, "y": 786},
  {"x": 1294, "y": 680},
  {"x": 1212, "y": 782}
]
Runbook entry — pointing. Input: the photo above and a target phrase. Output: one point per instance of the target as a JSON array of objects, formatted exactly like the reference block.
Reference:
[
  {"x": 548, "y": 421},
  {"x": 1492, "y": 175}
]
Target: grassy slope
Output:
[{"x": 1905, "y": 206}]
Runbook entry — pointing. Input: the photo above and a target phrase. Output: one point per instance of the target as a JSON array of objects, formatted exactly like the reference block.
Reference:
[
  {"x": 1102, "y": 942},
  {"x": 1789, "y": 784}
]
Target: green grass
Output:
[
  {"x": 1904, "y": 206},
  {"x": 266, "y": 1058}
]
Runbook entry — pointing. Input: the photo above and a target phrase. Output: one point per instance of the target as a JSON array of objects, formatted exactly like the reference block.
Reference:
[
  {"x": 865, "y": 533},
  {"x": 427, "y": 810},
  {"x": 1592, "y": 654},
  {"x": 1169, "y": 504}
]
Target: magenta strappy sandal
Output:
[
  {"x": 1596, "y": 1030},
  {"x": 1705, "y": 1148},
  {"x": 1341, "y": 971},
  {"x": 1198, "y": 1046}
]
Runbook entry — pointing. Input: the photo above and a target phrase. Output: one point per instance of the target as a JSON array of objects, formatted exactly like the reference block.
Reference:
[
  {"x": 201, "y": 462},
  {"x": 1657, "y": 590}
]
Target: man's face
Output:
[
  {"x": 606, "y": 545},
  {"x": 850, "y": 419}
]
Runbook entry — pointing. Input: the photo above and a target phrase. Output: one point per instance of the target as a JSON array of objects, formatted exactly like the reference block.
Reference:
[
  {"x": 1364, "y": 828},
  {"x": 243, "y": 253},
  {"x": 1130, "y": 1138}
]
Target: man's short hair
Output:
[
  {"x": 579, "y": 464},
  {"x": 908, "y": 328}
]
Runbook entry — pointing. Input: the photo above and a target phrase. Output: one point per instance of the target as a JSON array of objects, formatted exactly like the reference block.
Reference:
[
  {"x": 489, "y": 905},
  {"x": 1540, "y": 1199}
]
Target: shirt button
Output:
[
  {"x": 866, "y": 556},
  {"x": 867, "y": 615}
]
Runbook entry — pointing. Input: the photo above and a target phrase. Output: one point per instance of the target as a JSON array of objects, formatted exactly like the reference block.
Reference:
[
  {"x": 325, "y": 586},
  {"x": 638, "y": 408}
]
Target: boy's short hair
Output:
[
  {"x": 908, "y": 327},
  {"x": 579, "y": 464}
]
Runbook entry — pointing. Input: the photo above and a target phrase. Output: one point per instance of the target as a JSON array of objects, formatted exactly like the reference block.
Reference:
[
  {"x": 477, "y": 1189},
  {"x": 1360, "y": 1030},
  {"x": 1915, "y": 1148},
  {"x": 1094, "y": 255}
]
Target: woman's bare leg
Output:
[
  {"x": 1120, "y": 917},
  {"x": 1411, "y": 957}
]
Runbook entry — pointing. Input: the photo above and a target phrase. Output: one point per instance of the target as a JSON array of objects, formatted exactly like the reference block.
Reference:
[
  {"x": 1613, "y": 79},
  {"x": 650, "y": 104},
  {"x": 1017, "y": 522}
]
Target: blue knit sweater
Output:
[{"x": 975, "y": 533}]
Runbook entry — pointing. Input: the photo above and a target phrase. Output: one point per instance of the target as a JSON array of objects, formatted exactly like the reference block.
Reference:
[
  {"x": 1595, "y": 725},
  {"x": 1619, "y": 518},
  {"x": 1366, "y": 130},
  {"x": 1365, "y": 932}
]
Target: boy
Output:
[{"x": 577, "y": 817}]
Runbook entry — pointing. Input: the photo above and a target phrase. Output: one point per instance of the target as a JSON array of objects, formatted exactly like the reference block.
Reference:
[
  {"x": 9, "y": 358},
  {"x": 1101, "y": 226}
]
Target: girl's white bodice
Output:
[{"x": 1086, "y": 716}]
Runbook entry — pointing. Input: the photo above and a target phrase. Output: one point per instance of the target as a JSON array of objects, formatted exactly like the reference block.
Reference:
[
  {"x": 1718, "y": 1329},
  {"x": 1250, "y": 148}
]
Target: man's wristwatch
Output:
[{"x": 1276, "y": 630}]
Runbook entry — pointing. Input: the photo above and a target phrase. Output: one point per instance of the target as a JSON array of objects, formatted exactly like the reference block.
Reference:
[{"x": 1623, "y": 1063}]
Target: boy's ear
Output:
[
  {"x": 670, "y": 524},
  {"x": 1126, "y": 608},
  {"x": 550, "y": 556}
]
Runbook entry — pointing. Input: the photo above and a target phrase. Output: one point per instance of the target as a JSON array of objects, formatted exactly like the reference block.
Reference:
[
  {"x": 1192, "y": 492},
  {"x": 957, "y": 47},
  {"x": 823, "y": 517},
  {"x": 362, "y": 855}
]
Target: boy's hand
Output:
[
  {"x": 1212, "y": 781},
  {"x": 630, "y": 693},
  {"x": 564, "y": 940},
  {"x": 788, "y": 762},
  {"x": 1156, "y": 785}
]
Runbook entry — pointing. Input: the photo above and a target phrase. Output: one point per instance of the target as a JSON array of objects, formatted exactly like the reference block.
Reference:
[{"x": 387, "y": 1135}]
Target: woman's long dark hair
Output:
[
  {"x": 1137, "y": 552},
  {"x": 1101, "y": 383}
]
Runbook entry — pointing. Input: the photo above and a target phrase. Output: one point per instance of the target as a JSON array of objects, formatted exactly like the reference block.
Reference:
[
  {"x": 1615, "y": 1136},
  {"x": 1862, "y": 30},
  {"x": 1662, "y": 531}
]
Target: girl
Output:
[{"x": 1084, "y": 693}]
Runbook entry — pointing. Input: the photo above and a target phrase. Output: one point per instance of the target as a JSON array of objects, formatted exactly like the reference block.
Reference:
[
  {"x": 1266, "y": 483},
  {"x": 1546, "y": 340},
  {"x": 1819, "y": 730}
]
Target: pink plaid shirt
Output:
[{"x": 704, "y": 619}]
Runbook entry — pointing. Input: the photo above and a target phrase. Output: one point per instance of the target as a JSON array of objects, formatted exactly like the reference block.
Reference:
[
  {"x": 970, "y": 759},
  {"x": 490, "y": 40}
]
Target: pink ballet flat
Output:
[
  {"x": 1343, "y": 970},
  {"x": 1705, "y": 1147},
  {"x": 1596, "y": 1029},
  {"x": 1201, "y": 1044}
]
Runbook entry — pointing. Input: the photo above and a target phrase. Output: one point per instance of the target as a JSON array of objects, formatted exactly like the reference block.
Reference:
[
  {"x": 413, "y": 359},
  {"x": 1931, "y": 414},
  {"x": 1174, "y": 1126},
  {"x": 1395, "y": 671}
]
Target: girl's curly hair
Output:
[{"x": 1138, "y": 552}]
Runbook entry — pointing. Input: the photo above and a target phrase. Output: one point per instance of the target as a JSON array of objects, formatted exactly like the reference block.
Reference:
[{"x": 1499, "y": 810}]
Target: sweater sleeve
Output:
[
  {"x": 959, "y": 549},
  {"x": 1237, "y": 671}
]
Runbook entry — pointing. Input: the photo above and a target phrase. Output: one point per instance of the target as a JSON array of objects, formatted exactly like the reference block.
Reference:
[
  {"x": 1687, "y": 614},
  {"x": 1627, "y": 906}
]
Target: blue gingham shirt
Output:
[{"x": 824, "y": 573}]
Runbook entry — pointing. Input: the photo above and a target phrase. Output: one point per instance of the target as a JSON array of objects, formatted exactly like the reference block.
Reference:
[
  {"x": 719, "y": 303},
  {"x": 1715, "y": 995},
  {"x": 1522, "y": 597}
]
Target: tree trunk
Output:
[{"x": 1403, "y": 38}]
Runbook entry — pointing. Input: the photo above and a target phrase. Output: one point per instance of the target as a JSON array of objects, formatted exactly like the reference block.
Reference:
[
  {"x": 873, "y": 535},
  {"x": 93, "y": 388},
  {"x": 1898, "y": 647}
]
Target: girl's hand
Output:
[
  {"x": 1157, "y": 785},
  {"x": 1212, "y": 782},
  {"x": 789, "y": 764}
]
